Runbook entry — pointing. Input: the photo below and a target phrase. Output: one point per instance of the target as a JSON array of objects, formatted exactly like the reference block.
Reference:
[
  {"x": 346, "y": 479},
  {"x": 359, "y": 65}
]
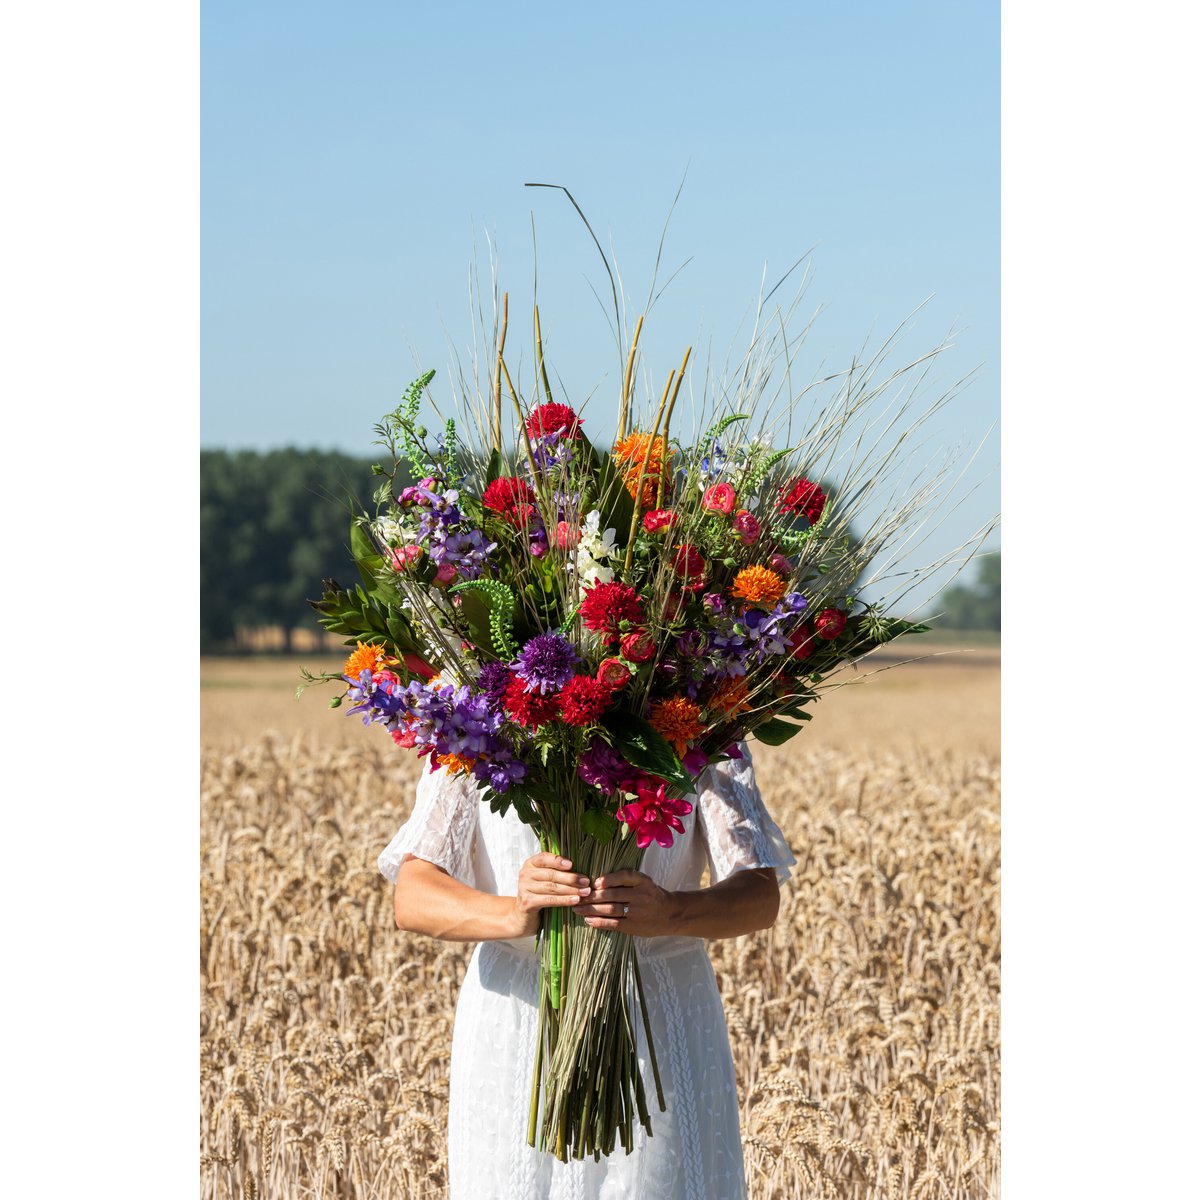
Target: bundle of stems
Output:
[{"x": 587, "y": 1090}]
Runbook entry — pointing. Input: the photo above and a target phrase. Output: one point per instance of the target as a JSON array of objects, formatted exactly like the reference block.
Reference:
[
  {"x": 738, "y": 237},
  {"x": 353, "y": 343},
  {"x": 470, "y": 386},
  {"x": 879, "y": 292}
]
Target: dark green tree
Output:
[{"x": 975, "y": 605}]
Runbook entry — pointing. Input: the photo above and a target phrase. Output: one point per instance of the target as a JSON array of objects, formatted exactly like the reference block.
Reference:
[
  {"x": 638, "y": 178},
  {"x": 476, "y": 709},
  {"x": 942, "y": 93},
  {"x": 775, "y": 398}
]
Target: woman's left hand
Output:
[{"x": 631, "y": 902}]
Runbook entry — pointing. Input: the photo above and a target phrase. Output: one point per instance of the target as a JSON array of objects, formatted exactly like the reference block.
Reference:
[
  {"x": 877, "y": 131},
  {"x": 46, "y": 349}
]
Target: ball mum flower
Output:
[
  {"x": 503, "y": 495},
  {"x": 553, "y": 418},
  {"x": 531, "y": 709},
  {"x": 583, "y": 700},
  {"x": 759, "y": 585},
  {"x": 546, "y": 662},
  {"x": 607, "y": 605}
]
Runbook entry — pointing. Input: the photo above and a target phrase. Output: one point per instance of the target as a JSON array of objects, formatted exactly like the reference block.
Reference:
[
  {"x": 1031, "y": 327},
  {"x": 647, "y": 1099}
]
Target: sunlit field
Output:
[{"x": 864, "y": 1025}]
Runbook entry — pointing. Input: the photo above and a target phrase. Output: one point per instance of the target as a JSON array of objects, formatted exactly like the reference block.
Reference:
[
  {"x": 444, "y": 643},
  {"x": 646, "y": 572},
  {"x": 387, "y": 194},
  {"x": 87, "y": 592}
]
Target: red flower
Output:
[
  {"x": 551, "y": 418},
  {"x": 406, "y": 738},
  {"x": 829, "y": 623},
  {"x": 745, "y": 525},
  {"x": 505, "y": 494},
  {"x": 781, "y": 563},
  {"x": 720, "y": 498},
  {"x": 530, "y": 709},
  {"x": 654, "y": 814},
  {"x": 658, "y": 519},
  {"x": 613, "y": 673},
  {"x": 638, "y": 646},
  {"x": 582, "y": 700},
  {"x": 801, "y": 496},
  {"x": 606, "y": 605},
  {"x": 688, "y": 562},
  {"x": 801, "y": 641}
]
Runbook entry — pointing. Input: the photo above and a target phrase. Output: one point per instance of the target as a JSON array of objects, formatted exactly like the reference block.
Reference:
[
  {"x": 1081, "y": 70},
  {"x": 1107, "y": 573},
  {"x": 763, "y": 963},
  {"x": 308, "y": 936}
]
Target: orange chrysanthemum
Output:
[
  {"x": 453, "y": 765},
  {"x": 678, "y": 720},
  {"x": 759, "y": 585},
  {"x": 632, "y": 452},
  {"x": 367, "y": 657},
  {"x": 730, "y": 699}
]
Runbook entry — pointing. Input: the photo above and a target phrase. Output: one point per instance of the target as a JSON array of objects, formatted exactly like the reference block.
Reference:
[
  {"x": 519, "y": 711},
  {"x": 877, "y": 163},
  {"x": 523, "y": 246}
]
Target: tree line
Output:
[{"x": 274, "y": 524}]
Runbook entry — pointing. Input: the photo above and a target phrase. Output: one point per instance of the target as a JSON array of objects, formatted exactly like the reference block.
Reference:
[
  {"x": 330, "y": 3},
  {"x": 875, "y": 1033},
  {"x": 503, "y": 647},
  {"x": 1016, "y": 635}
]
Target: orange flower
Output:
[
  {"x": 730, "y": 699},
  {"x": 454, "y": 765},
  {"x": 759, "y": 585},
  {"x": 678, "y": 720},
  {"x": 632, "y": 452},
  {"x": 366, "y": 657}
]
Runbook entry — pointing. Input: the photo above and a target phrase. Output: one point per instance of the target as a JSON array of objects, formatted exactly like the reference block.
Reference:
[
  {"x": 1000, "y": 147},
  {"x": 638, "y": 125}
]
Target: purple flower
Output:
[
  {"x": 546, "y": 663},
  {"x": 500, "y": 770},
  {"x": 492, "y": 682},
  {"x": 602, "y": 767}
]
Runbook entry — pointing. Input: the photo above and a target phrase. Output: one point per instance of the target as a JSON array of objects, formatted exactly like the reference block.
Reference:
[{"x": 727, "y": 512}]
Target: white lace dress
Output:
[{"x": 695, "y": 1152}]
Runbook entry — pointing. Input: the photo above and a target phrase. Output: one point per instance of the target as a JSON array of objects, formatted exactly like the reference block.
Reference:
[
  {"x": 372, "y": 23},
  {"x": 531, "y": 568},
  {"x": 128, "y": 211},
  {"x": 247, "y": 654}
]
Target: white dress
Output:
[{"x": 695, "y": 1152}]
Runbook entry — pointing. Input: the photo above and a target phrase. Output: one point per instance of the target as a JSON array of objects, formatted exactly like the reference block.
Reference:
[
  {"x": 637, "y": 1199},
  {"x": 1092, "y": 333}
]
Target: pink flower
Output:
[
  {"x": 404, "y": 557},
  {"x": 745, "y": 525},
  {"x": 658, "y": 519},
  {"x": 720, "y": 497},
  {"x": 446, "y": 573},
  {"x": 567, "y": 535},
  {"x": 781, "y": 563},
  {"x": 653, "y": 816}
]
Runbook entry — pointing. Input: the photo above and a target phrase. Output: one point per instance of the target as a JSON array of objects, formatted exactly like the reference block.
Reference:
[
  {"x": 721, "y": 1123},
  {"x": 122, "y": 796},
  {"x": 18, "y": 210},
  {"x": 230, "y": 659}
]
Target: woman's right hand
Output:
[{"x": 546, "y": 881}]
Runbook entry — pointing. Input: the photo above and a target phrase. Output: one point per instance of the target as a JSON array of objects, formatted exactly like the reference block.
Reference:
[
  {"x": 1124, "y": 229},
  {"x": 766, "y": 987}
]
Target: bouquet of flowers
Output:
[{"x": 583, "y": 630}]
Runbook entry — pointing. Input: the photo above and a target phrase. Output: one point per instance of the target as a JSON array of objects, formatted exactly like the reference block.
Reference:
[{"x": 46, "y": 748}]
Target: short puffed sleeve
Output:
[
  {"x": 739, "y": 833},
  {"x": 441, "y": 829}
]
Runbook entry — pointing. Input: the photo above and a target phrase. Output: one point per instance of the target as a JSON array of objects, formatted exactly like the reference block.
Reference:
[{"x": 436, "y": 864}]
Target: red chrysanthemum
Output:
[
  {"x": 583, "y": 700},
  {"x": 530, "y": 709},
  {"x": 801, "y": 496},
  {"x": 503, "y": 495},
  {"x": 606, "y": 605},
  {"x": 551, "y": 418}
]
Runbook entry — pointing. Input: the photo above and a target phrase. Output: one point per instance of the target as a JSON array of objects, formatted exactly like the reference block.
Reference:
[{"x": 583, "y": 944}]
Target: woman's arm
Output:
[
  {"x": 747, "y": 900},
  {"x": 429, "y": 900}
]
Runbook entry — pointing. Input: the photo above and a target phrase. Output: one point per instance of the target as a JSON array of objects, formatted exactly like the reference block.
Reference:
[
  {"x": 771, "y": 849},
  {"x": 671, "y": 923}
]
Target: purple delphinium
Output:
[
  {"x": 546, "y": 663},
  {"x": 600, "y": 766},
  {"x": 381, "y": 700},
  {"x": 499, "y": 770}
]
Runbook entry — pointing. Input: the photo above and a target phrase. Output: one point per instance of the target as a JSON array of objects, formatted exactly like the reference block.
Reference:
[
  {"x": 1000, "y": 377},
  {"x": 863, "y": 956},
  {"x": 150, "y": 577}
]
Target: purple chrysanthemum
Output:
[{"x": 546, "y": 662}]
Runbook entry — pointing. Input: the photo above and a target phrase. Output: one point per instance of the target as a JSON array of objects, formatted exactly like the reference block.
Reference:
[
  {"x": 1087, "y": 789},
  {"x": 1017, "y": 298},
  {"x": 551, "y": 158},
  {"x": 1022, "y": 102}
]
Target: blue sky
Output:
[{"x": 355, "y": 157}]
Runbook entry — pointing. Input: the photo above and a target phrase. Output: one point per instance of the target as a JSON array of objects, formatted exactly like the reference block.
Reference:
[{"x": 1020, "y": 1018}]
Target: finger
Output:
[
  {"x": 566, "y": 877},
  {"x": 602, "y": 922},
  {"x": 620, "y": 879},
  {"x": 554, "y": 861},
  {"x": 544, "y": 900},
  {"x": 601, "y": 910},
  {"x": 548, "y": 887},
  {"x": 613, "y": 895}
]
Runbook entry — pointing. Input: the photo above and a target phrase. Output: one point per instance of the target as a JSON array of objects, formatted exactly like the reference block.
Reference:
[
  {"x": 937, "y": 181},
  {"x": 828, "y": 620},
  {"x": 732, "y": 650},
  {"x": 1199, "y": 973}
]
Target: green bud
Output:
[
  {"x": 336, "y": 702},
  {"x": 421, "y": 431}
]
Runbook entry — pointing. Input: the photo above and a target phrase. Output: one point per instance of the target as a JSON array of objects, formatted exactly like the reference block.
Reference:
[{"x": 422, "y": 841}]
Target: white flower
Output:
[{"x": 594, "y": 543}]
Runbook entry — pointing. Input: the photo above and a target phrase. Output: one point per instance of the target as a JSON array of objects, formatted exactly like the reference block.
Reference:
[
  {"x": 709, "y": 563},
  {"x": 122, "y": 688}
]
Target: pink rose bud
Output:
[
  {"x": 658, "y": 519},
  {"x": 567, "y": 535},
  {"x": 404, "y": 557},
  {"x": 745, "y": 525},
  {"x": 446, "y": 573},
  {"x": 720, "y": 498}
]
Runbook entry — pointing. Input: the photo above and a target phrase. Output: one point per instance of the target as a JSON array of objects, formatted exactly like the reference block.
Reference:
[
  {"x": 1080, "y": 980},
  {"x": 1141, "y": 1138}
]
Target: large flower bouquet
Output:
[{"x": 582, "y": 631}]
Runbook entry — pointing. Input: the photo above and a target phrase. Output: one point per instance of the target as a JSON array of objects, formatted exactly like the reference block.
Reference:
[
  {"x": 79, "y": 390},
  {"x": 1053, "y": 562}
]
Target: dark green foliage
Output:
[{"x": 271, "y": 525}]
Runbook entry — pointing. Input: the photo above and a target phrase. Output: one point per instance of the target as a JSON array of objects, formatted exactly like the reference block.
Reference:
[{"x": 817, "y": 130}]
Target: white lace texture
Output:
[{"x": 441, "y": 829}]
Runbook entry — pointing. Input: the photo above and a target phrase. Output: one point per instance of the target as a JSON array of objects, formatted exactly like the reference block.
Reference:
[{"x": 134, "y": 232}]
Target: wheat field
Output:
[{"x": 864, "y": 1025}]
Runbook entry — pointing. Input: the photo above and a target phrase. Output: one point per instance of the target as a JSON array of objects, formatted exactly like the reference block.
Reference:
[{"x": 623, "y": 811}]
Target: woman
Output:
[{"x": 462, "y": 873}]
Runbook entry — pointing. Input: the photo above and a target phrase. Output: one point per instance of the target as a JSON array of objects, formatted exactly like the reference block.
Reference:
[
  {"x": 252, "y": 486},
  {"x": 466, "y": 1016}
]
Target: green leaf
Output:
[
  {"x": 600, "y": 825},
  {"x": 643, "y": 746},
  {"x": 775, "y": 732},
  {"x": 495, "y": 464}
]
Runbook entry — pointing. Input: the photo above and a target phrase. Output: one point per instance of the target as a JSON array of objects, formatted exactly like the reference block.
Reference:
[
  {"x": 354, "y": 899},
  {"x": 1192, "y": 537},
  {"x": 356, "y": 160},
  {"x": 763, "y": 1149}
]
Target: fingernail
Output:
[
  {"x": 583, "y": 881},
  {"x": 566, "y": 863},
  {"x": 584, "y": 891}
]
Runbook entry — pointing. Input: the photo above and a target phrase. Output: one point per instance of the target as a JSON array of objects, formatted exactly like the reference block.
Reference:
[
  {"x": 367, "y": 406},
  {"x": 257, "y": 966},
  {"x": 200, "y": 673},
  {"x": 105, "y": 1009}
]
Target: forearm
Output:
[
  {"x": 429, "y": 901},
  {"x": 745, "y": 902}
]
